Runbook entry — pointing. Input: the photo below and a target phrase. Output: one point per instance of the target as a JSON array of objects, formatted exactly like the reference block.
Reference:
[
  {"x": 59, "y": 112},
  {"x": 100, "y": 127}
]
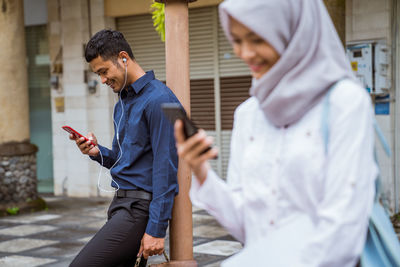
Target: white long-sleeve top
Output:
[{"x": 279, "y": 176}]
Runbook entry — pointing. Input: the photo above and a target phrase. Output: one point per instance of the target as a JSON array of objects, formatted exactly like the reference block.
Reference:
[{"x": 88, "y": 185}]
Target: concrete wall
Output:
[
  {"x": 72, "y": 104},
  {"x": 14, "y": 104},
  {"x": 35, "y": 12},
  {"x": 369, "y": 20}
]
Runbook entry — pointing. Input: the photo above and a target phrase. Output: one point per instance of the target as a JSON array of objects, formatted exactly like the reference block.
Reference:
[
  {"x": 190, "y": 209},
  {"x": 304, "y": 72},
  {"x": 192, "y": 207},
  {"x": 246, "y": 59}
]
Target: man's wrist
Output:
[{"x": 156, "y": 229}]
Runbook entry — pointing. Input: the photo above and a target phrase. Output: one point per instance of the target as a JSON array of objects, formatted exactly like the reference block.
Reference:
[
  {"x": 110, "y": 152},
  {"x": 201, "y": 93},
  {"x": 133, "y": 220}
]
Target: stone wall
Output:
[{"x": 18, "y": 181}]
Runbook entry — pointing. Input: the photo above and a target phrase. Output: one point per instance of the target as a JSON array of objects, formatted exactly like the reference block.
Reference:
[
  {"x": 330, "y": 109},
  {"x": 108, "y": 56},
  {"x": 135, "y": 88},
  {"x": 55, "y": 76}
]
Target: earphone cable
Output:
[{"x": 117, "y": 125}]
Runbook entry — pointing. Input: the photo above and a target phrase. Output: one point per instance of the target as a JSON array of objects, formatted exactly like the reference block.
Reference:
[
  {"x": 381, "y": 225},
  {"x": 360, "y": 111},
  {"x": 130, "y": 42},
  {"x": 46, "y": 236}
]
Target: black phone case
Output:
[{"x": 174, "y": 111}]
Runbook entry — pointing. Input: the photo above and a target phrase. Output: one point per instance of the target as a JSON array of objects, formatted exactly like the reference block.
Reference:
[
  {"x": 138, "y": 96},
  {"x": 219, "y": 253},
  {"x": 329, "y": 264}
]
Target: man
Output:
[{"x": 143, "y": 160}]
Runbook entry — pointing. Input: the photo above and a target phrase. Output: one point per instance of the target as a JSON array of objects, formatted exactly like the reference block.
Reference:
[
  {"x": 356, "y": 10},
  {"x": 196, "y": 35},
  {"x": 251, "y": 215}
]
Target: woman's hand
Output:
[{"x": 190, "y": 151}]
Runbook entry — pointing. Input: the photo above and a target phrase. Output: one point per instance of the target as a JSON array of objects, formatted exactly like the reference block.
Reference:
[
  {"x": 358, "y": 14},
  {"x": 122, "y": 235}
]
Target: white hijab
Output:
[{"x": 312, "y": 57}]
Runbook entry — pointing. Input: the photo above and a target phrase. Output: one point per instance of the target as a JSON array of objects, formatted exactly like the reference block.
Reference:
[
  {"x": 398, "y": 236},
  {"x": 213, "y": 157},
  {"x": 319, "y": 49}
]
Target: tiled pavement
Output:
[{"x": 53, "y": 237}]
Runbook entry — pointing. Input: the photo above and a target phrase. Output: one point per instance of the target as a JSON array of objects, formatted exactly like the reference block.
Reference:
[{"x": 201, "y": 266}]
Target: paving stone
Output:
[
  {"x": 67, "y": 234},
  {"x": 202, "y": 212},
  {"x": 85, "y": 239},
  {"x": 215, "y": 264},
  {"x": 196, "y": 209},
  {"x": 23, "y": 261},
  {"x": 98, "y": 213},
  {"x": 31, "y": 218},
  {"x": 25, "y": 230},
  {"x": 199, "y": 219},
  {"x": 218, "y": 247},
  {"x": 205, "y": 259},
  {"x": 209, "y": 231},
  {"x": 46, "y": 217},
  {"x": 61, "y": 250},
  {"x": 96, "y": 225},
  {"x": 199, "y": 240},
  {"x": 63, "y": 263},
  {"x": 74, "y": 222},
  {"x": 22, "y": 244}
]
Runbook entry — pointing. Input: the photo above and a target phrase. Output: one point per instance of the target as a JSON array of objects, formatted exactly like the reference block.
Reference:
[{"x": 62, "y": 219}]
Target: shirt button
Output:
[
  {"x": 271, "y": 222},
  {"x": 273, "y": 192},
  {"x": 251, "y": 138}
]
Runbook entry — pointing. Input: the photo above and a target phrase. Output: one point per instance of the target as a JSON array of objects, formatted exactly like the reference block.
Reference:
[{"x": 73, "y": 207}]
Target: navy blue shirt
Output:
[{"x": 149, "y": 160}]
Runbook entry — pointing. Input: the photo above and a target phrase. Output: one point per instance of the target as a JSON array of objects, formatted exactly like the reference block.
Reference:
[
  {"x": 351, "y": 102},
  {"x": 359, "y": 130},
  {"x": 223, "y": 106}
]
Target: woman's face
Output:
[{"x": 252, "y": 49}]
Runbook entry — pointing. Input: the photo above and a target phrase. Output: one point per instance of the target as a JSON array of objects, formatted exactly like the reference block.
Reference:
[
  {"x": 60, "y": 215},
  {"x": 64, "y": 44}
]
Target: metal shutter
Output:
[
  {"x": 234, "y": 90},
  {"x": 147, "y": 46},
  {"x": 201, "y": 43},
  {"x": 229, "y": 64},
  {"x": 201, "y": 49},
  {"x": 235, "y": 81},
  {"x": 202, "y": 103}
]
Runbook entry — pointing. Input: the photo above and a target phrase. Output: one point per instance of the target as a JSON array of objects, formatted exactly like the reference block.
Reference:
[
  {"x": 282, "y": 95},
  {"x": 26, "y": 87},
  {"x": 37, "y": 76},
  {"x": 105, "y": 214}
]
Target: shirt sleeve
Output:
[
  {"x": 224, "y": 200},
  {"x": 343, "y": 214},
  {"x": 107, "y": 157},
  {"x": 165, "y": 165}
]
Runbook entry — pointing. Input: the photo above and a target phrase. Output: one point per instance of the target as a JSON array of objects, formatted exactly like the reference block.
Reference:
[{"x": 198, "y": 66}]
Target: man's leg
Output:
[{"x": 117, "y": 242}]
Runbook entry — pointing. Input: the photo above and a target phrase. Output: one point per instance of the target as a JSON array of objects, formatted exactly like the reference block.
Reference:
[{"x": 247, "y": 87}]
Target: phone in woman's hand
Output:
[{"x": 174, "y": 111}]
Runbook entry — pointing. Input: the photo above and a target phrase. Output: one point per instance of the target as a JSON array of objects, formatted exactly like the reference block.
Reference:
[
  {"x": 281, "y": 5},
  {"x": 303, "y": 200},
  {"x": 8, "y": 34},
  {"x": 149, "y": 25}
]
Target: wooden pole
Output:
[{"x": 178, "y": 79}]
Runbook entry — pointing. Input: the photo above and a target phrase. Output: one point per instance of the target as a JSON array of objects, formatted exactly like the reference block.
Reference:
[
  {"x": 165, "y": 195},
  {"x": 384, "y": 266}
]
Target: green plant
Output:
[
  {"x": 12, "y": 210},
  {"x": 158, "y": 16}
]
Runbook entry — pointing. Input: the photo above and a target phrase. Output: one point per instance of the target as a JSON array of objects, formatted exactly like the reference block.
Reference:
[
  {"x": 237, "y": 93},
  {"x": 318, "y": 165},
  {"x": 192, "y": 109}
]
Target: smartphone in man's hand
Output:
[{"x": 75, "y": 133}]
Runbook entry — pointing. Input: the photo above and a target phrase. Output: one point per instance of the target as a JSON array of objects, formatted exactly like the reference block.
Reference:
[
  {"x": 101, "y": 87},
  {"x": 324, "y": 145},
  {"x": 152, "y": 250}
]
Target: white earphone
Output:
[{"x": 117, "y": 136}]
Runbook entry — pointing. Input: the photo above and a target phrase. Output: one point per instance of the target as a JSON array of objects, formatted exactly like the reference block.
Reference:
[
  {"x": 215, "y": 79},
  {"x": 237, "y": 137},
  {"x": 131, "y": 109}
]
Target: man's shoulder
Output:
[
  {"x": 158, "y": 94},
  {"x": 161, "y": 92}
]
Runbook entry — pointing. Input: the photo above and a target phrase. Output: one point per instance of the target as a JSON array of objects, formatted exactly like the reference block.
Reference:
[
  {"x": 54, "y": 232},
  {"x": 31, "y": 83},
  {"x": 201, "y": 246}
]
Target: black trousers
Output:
[{"x": 117, "y": 243}]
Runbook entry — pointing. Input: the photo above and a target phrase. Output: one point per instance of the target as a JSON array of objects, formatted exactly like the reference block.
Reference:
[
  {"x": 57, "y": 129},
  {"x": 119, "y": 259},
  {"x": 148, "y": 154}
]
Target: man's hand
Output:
[
  {"x": 150, "y": 246},
  {"x": 86, "y": 147}
]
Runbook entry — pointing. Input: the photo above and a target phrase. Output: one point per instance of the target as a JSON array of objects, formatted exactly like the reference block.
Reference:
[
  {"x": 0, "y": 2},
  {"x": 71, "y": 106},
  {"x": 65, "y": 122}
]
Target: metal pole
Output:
[{"x": 217, "y": 90}]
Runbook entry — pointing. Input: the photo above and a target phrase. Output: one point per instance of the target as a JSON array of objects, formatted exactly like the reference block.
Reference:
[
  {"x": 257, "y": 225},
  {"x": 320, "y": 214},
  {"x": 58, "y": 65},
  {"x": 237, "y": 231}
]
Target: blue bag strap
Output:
[
  {"x": 382, "y": 139},
  {"x": 386, "y": 148},
  {"x": 325, "y": 125}
]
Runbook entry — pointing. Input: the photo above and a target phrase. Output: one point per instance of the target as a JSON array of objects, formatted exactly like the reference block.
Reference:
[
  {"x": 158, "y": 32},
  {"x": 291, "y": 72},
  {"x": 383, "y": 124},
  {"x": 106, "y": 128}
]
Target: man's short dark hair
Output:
[{"x": 107, "y": 44}]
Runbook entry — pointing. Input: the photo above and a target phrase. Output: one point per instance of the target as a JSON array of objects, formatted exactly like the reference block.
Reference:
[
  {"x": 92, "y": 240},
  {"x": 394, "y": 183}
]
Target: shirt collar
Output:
[{"x": 140, "y": 83}]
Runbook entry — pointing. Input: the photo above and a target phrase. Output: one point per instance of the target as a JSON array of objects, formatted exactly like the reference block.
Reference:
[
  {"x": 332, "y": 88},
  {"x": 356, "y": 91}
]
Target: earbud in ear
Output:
[{"x": 124, "y": 60}]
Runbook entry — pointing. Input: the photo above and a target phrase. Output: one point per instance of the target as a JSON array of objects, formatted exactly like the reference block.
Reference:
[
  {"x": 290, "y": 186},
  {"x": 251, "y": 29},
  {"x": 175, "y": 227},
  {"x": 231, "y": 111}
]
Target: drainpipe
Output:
[{"x": 395, "y": 78}]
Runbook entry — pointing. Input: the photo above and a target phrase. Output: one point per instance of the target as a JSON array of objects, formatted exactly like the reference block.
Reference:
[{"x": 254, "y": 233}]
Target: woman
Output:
[{"x": 283, "y": 186}]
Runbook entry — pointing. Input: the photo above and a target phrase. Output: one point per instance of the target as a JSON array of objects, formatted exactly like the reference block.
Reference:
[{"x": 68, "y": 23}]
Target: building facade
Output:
[{"x": 219, "y": 81}]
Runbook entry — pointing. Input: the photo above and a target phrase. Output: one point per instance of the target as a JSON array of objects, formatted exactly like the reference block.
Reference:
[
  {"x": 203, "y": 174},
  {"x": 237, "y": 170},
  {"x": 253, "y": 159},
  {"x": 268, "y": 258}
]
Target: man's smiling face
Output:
[{"x": 110, "y": 72}]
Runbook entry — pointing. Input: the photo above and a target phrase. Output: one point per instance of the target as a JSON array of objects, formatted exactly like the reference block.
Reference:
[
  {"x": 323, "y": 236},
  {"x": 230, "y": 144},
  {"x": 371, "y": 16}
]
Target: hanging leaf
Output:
[{"x": 158, "y": 16}]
